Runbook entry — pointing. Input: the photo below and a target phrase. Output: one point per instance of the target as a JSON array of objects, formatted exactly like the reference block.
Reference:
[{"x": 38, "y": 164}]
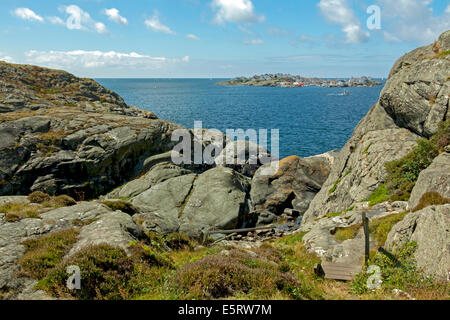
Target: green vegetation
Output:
[
  {"x": 402, "y": 174},
  {"x": 348, "y": 233},
  {"x": 17, "y": 211},
  {"x": 121, "y": 205},
  {"x": 337, "y": 214},
  {"x": 51, "y": 201},
  {"x": 431, "y": 199},
  {"x": 333, "y": 189},
  {"x": 45, "y": 253},
  {"x": 367, "y": 149},
  {"x": 380, "y": 228},
  {"x": 380, "y": 195},
  {"x": 404, "y": 276},
  {"x": 444, "y": 54},
  {"x": 237, "y": 272}
]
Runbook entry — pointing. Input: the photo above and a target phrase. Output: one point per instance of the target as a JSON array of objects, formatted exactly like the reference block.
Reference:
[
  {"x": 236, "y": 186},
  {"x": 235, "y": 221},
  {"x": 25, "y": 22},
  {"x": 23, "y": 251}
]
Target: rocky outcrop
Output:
[
  {"x": 177, "y": 200},
  {"x": 13, "y": 234},
  {"x": 412, "y": 105},
  {"x": 294, "y": 185},
  {"x": 435, "y": 178},
  {"x": 157, "y": 174},
  {"x": 30, "y": 88},
  {"x": 243, "y": 156},
  {"x": 430, "y": 229},
  {"x": 61, "y": 134},
  {"x": 321, "y": 237},
  {"x": 116, "y": 229}
]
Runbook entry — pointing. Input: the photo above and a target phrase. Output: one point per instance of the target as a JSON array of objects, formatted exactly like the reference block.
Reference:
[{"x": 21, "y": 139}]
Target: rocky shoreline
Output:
[{"x": 83, "y": 171}]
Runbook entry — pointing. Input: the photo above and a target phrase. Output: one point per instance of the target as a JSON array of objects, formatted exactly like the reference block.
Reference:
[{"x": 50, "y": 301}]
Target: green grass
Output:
[
  {"x": 380, "y": 228},
  {"x": 402, "y": 174},
  {"x": 378, "y": 196},
  {"x": 405, "y": 276},
  {"x": 348, "y": 233}
]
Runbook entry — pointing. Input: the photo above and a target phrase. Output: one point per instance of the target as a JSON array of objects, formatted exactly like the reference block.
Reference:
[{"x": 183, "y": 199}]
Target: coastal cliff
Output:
[{"x": 87, "y": 180}]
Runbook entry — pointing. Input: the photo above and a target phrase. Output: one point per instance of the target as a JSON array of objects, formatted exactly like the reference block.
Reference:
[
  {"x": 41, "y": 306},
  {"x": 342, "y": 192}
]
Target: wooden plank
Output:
[{"x": 340, "y": 271}]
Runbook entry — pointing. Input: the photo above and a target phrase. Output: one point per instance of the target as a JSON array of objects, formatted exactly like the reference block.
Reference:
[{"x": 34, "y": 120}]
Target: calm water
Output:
[{"x": 311, "y": 120}]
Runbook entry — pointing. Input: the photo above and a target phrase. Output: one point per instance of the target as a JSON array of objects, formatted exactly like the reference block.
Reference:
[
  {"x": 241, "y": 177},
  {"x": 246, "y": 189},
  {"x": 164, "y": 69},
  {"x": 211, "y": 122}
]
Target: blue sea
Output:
[{"x": 311, "y": 120}]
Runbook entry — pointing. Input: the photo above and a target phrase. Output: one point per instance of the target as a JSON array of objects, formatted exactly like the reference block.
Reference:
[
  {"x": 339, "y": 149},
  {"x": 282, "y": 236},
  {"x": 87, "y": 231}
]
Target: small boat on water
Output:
[{"x": 345, "y": 93}]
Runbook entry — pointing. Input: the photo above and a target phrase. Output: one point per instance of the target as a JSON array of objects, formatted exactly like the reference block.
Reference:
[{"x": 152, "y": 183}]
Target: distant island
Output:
[{"x": 290, "y": 81}]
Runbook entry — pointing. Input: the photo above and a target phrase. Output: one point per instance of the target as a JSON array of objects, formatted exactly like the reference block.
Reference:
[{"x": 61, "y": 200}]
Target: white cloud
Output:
[
  {"x": 6, "y": 58},
  {"x": 192, "y": 36},
  {"x": 56, "y": 20},
  {"x": 81, "y": 20},
  {"x": 113, "y": 15},
  {"x": 237, "y": 11},
  {"x": 245, "y": 30},
  {"x": 154, "y": 24},
  {"x": 27, "y": 14},
  {"x": 413, "y": 21},
  {"x": 73, "y": 60},
  {"x": 254, "y": 41},
  {"x": 339, "y": 12}
]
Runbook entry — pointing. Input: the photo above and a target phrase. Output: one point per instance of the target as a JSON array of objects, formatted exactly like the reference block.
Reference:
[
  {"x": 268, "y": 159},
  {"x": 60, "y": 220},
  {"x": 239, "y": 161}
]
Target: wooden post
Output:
[{"x": 365, "y": 221}]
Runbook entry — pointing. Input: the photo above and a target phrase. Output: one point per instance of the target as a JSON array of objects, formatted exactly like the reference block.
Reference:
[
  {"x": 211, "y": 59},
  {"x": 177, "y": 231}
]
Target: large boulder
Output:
[
  {"x": 218, "y": 198},
  {"x": 294, "y": 185},
  {"x": 116, "y": 229},
  {"x": 430, "y": 229},
  {"x": 159, "y": 173},
  {"x": 435, "y": 178},
  {"x": 161, "y": 206},
  {"x": 71, "y": 135},
  {"x": 411, "y": 106},
  {"x": 243, "y": 156}
]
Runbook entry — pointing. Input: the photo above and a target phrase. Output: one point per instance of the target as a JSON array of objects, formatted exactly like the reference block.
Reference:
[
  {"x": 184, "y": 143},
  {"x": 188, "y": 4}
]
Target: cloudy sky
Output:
[{"x": 216, "y": 38}]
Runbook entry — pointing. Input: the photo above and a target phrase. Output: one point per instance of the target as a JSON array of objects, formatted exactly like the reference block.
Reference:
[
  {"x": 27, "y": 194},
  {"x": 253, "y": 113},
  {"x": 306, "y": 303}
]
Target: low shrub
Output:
[
  {"x": 105, "y": 271},
  {"x": 431, "y": 199},
  {"x": 403, "y": 173},
  {"x": 18, "y": 211},
  {"x": 38, "y": 197},
  {"x": 63, "y": 201},
  {"x": 222, "y": 276},
  {"x": 121, "y": 205},
  {"x": 45, "y": 253}
]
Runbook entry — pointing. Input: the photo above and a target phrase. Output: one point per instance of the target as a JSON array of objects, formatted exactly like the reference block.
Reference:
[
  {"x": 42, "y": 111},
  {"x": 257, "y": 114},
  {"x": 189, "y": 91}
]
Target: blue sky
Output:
[{"x": 216, "y": 38}]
